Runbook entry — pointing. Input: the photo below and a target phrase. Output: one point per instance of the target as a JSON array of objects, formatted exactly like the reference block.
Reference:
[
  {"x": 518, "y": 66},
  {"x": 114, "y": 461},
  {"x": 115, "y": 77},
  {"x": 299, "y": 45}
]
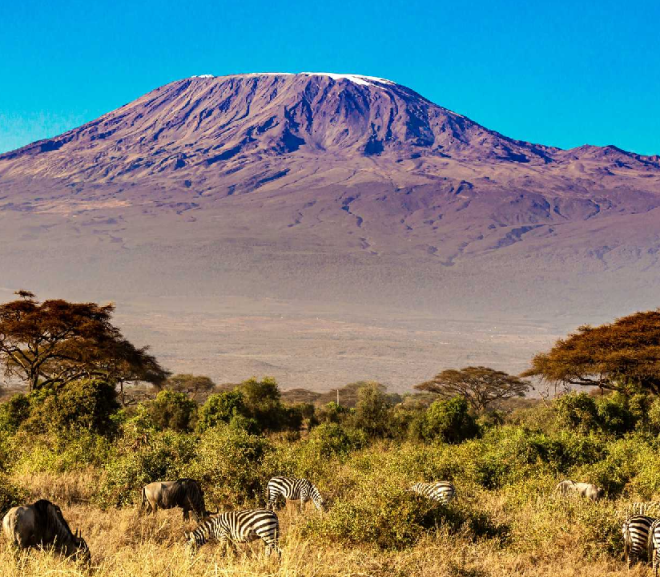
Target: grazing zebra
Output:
[
  {"x": 293, "y": 489},
  {"x": 636, "y": 537},
  {"x": 442, "y": 491},
  {"x": 649, "y": 508},
  {"x": 238, "y": 527},
  {"x": 654, "y": 545}
]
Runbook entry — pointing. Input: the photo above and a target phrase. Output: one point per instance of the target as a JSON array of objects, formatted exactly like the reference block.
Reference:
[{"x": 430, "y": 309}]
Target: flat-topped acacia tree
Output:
[
  {"x": 615, "y": 356},
  {"x": 481, "y": 386},
  {"x": 54, "y": 342}
]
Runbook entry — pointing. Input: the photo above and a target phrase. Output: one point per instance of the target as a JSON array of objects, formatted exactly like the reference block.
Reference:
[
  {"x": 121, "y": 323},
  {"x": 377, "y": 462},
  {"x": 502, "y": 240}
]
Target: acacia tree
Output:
[
  {"x": 611, "y": 356},
  {"x": 480, "y": 386},
  {"x": 52, "y": 343},
  {"x": 188, "y": 383}
]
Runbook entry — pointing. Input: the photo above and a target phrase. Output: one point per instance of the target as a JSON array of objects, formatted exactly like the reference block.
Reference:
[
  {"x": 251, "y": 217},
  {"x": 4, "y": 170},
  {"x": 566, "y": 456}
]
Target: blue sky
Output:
[{"x": 563, "y": 73}]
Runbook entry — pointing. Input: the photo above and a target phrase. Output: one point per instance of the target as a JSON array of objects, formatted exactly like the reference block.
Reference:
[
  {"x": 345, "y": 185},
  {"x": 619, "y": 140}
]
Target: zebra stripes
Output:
[
  {"x": 654, "y": 545},
  {"x": 293, "y": 489},
  {"x": 636, "y": 537},
  {"x": 441, "y": 491},
  {"x": 238, "y": 527}
]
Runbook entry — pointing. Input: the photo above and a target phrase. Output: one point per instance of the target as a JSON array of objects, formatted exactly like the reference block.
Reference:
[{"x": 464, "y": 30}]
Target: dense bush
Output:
[
  {"x": 449, "y": 421},
  {"x": 88, "y": 405},
  {"x": 334, "y": 413},
  {"x": 10, "y": 495},
  {"x": 372, "y": 411},
  {"x": 163, "y": 456},
  {"x": 577, "y": 412},
  {"x": 13, "y": 413},
  {"x": 228, "y": 461},
  {"x": 173, "y": 410},
  {"x": 220, "y": 409}
]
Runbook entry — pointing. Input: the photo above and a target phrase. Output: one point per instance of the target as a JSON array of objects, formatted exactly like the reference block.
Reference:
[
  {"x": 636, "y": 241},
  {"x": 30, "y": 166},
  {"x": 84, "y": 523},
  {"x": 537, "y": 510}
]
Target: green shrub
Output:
[
  {"x": 614, "y": 414},
  {"x": 654, "y": 417},
  {"x": 332, "y": 413},
  {"x": 379, "y": 511},
  {"x": 577, "y": 412},
  {"x": 331, "y": 440},
  {"x": 164, "y": 456},
  {"x": 173, "y": 410},
  {"x": 87, "y": 405},
  {"x": 13, "y": 413},
  {"x": 380, "y": 514},
  {"x": 57, "y": 453},
  {"x": 372, "y": 411},
  {"x": 449, "y": 421},
  {"x": 228, "y": 462},
  {"x": 10, "y": 495},
  {"x": 220, "y": 409}
]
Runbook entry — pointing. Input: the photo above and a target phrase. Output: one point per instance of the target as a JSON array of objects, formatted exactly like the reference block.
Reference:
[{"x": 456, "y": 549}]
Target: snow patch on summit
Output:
[{"x": 356, "y": 78}]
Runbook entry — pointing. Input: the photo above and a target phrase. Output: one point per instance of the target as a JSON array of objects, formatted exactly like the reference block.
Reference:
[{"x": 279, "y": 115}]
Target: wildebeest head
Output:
[{"x": 82, "y": 550}]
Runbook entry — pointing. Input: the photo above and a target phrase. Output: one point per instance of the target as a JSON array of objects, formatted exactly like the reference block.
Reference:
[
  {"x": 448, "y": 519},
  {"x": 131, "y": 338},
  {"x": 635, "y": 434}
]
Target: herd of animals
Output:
[{"x": 42, "y": 524}]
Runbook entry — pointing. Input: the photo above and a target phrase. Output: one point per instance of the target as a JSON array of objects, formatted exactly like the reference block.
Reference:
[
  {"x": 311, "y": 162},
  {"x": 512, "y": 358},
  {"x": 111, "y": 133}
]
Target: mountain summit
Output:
[
  {"x": 334, "y": 190},
  {"x": 207, "y": 127}
]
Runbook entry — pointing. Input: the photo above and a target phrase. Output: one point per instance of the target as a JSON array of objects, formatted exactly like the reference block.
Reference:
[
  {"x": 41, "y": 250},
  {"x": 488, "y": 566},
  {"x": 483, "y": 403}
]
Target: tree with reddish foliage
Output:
[
  {"x": 618, "y": 356},
  {"x": 480, "y": 386},
  {"x": 55, "y": 342}
]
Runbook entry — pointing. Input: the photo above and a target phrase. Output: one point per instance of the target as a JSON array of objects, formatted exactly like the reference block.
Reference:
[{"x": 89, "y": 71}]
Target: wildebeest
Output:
[
  {"x": 583, "y": 489},
  {"x": 184, "y": 493},
  {"x": 43, "y": 525}
]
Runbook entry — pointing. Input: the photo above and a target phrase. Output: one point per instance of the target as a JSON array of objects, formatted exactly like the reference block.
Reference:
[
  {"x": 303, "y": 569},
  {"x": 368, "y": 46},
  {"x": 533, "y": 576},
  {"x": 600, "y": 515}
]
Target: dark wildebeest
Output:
[
  {"x": 583, "y": 489},
  {"x": 42, "y": 525},
  {"x": 184, "y": 493}
]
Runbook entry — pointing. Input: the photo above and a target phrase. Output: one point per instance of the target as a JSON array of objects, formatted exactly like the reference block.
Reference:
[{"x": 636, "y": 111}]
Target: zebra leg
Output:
[
  {"x": 271, "y": 545},
  {"x": 223, "y": 543}
]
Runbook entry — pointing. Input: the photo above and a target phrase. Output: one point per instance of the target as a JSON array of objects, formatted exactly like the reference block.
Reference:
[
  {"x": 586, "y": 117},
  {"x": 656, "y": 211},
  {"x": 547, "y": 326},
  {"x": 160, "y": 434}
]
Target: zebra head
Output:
[
  {"x": 191, "y": 541},
  {"x": 321, "y": 504}
]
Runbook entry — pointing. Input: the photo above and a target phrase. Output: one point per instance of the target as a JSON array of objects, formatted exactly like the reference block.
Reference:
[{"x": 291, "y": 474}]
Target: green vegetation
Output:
[{"x": 504, "y": 463}]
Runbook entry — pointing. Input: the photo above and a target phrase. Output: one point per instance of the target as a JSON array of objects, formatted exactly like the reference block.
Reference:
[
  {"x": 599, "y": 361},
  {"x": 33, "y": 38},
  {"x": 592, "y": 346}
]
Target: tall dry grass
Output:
[{"x": 546, "y": 540}]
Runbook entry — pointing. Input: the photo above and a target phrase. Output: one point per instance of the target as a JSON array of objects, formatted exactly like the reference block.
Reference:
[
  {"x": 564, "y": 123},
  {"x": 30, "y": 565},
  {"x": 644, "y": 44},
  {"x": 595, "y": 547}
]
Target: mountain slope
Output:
[{"x": 330, "y": 196}]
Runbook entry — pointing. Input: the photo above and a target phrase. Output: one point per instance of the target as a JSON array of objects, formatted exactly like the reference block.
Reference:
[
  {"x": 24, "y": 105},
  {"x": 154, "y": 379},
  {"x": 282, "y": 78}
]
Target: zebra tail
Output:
[{"x": 626, "y": 543}]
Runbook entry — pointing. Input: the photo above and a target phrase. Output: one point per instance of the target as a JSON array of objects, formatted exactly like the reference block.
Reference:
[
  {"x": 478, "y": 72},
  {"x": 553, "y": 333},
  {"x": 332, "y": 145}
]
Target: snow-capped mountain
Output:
[{"x": 329, "y": 189}]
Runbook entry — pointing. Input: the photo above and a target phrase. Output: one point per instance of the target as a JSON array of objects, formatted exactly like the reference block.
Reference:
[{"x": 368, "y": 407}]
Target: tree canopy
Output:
[
  {"x": 55, "y": 342},
  {"x": 188, "y": 383},
  {"x": 480, "y": 386},
  {"x": 613, "y": 356}
]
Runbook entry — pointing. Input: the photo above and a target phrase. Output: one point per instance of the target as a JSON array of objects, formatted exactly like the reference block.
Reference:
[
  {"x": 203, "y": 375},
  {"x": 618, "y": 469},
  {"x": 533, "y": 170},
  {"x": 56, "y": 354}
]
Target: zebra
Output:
[
  {"x": 636, "y": 537},
  {"x": 649, "y": 508},
  {"x": 654, "y": 545},
  {"x": 238, "y": 527},
  {"x": 441, "y": 491},
  {"x": 293, "y": 489}
]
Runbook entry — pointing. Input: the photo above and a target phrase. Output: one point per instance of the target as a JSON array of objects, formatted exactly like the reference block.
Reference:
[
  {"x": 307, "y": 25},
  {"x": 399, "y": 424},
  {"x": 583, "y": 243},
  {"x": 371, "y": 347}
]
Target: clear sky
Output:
[{"x": 563, "y": 73}]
